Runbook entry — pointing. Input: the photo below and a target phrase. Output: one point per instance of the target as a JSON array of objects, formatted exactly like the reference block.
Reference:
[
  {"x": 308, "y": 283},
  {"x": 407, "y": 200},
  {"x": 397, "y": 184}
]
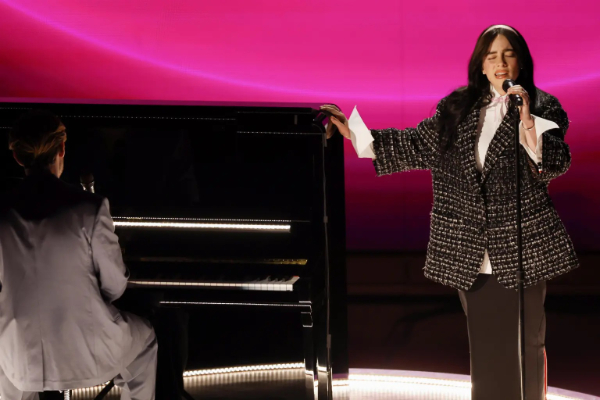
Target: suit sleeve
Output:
[
  {"x": 555, "y": 153},
  {"x": 398, "y": 150},
  {"x": 1, "y": 267},
  {"x": 106, "y": 252}
]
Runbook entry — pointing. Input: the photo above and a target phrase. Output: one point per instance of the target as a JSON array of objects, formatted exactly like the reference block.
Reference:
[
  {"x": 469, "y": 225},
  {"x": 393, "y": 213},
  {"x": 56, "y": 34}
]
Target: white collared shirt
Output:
[{"x": 489, "y": 121}]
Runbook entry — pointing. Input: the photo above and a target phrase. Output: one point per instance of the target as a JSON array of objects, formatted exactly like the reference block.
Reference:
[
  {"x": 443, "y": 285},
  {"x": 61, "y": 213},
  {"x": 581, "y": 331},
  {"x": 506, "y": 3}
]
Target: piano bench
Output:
[{"x": 66, "y": 394}]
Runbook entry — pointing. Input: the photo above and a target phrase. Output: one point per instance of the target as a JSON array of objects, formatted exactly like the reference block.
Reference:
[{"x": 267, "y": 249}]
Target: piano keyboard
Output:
[
  {"x": 283, "y": 285},
  {"x": 247, "y": 261},
  {"x": 203, "y": 224}
]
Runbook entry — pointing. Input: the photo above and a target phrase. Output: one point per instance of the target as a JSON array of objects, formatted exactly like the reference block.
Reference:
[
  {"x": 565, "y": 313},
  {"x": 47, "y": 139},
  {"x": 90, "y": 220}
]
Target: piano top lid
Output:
[{"x": 15, "y": 102}]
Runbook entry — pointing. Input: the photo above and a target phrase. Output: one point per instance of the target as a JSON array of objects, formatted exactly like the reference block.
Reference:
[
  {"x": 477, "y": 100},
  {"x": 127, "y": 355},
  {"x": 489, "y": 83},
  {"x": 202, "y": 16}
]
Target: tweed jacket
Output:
[{"x": 474, "y": 211}]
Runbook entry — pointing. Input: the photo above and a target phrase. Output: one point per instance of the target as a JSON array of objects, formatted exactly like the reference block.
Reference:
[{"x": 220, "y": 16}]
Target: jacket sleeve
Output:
[
  {"x": 399, "y": 150},
  {"x": 106, "y": 253},
  {"x": 1, "y": 267},
  {"x": 556, "y": 155}
]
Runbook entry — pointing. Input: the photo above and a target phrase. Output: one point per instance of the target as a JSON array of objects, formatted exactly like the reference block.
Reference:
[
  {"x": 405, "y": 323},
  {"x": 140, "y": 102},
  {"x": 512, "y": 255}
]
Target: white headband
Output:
[{"x": 500, "y": 26}]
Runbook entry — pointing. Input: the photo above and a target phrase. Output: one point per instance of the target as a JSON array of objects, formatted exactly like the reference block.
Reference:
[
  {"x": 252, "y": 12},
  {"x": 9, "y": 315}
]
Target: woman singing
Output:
[{"x": 467, "y": 145}]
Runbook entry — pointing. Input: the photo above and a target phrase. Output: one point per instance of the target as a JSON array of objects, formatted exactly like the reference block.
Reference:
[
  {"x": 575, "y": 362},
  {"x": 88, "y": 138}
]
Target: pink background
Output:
[{"x": 394, "y": 59}]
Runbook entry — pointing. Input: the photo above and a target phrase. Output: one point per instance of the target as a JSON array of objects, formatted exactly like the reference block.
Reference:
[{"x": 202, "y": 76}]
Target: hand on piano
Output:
[{"x": 339, "y": 120}]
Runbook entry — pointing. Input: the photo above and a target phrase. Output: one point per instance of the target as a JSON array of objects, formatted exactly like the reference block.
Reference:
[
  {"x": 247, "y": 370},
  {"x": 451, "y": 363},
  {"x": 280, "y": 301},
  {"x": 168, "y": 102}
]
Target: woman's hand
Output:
[
  {"x": 339, "y": 120},
  {"x": 525, "y": 114},
  {"x": 526, "y": 119}
]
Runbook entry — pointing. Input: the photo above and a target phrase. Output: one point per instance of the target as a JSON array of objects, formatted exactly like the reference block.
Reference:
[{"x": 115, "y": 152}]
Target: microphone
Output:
[
  {"x": 87, "y": 181},
  {"x": 514, "y": 98}
]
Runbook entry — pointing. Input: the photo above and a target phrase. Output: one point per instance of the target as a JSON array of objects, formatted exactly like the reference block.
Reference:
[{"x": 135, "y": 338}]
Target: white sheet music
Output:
[{"x": 360, "y": 136}]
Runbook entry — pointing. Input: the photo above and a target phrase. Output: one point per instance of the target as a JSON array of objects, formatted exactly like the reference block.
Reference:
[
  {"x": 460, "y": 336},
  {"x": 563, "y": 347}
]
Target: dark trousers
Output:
[{"x": 492, "y": 317}]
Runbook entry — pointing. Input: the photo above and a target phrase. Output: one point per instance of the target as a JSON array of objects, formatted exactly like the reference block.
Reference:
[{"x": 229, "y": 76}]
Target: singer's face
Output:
[{"x": 500, "y": 63}]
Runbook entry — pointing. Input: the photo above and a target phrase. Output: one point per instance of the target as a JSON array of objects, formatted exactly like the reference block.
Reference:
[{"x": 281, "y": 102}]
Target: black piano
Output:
[{"x": 220, "y": 206}]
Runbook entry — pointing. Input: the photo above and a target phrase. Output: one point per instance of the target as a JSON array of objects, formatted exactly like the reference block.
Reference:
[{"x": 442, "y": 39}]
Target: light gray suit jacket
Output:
[{"x": 60, "y": 270}]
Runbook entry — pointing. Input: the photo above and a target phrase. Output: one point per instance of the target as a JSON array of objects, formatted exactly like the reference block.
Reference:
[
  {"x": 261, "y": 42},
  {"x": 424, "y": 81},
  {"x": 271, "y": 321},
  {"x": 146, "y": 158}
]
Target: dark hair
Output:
[
  {"x": 36, "y": 138},
  {"x": 478, "y": 93}
]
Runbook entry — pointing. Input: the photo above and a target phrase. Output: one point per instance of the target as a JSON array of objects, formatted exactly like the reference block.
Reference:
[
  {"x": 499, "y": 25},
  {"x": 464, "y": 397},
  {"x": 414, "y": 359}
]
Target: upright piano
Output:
[{"x": 220, "y": 205}]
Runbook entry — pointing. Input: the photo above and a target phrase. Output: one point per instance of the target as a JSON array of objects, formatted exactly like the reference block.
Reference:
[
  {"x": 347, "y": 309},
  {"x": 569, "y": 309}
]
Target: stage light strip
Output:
[
  {"x": 202, "y": 225},
  {"x": 408, "y": 380},
  {"x": 559, "y": 397},
  {"x": 359, "y": 378},
  {"x": 374, "y": 380},
  {"x": 269, "y": 367}
]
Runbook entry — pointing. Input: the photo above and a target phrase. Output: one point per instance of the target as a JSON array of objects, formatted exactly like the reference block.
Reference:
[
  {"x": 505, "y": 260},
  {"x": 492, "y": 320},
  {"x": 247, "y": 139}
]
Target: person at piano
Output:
[
  {"x": 467, "y": 145},
  {"x": 60, "y": 270}
]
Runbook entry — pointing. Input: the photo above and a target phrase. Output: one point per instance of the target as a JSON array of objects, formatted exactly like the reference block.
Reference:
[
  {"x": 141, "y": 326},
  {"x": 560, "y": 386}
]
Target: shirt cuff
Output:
[
  {"x": 541, "y": 125},
  {"x": 361, "y": 137}
]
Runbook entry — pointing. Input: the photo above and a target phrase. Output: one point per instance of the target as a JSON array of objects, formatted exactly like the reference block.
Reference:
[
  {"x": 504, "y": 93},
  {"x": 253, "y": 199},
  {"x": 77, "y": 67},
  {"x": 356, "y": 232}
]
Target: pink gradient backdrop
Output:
[{"x": 394, "y": 59}]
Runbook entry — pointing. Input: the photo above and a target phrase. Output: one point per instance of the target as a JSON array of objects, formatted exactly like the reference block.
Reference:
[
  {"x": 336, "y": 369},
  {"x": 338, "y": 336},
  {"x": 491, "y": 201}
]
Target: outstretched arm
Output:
[{"x": 397, "y": 150}]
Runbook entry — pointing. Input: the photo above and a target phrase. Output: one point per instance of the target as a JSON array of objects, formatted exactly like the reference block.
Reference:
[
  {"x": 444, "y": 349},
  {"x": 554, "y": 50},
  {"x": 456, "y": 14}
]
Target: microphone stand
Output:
[{"x": 520, "y": 272}]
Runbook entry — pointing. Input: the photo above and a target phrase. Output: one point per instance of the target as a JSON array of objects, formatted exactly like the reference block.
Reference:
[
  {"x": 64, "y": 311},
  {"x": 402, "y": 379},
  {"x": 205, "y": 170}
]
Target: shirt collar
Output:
[
  {"x": 495, "y": 92},
  {"x": 497, "y": 98}
]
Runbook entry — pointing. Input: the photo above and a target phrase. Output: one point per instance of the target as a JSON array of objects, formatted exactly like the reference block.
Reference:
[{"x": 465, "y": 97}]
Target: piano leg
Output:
[
  {"x": 323, "y": 341},
  {"x": 171, "y": 328},
  {"x": 309, "y": 354}
]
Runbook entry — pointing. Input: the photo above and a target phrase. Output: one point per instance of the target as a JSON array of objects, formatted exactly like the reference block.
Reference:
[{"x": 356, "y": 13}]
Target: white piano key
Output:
[{"x": 268, "y": 284}]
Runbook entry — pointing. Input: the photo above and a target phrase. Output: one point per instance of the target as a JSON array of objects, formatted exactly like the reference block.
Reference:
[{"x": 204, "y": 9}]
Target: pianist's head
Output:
[{"x": 37, "y": 141}]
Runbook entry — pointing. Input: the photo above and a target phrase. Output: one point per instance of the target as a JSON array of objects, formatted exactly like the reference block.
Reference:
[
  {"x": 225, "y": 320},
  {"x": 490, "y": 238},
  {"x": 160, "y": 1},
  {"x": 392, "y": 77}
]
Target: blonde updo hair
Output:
[{"x": 36, "y": 138}]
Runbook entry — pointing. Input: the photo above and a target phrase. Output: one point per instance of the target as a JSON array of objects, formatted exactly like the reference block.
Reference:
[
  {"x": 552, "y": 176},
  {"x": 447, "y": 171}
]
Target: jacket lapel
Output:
[
  {"x": 467, "y": 136},
  {"x": 503, "y": 138}
]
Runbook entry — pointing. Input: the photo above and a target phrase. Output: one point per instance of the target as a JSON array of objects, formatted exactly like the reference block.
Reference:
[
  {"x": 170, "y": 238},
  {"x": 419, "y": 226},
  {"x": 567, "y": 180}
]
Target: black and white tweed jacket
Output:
[{"x": 474, "y": 211}]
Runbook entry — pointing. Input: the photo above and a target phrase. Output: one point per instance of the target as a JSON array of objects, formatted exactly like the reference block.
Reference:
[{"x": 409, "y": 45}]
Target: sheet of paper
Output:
[{"x": 360, "y": 135}]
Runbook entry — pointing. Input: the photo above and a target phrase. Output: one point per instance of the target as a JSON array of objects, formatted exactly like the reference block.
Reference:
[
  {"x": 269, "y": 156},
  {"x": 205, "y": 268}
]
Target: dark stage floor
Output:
[
  {"x": 430, "y": 334},
  {"x": 398, "y": 324},
  {"x": 401, "y": 321}
]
